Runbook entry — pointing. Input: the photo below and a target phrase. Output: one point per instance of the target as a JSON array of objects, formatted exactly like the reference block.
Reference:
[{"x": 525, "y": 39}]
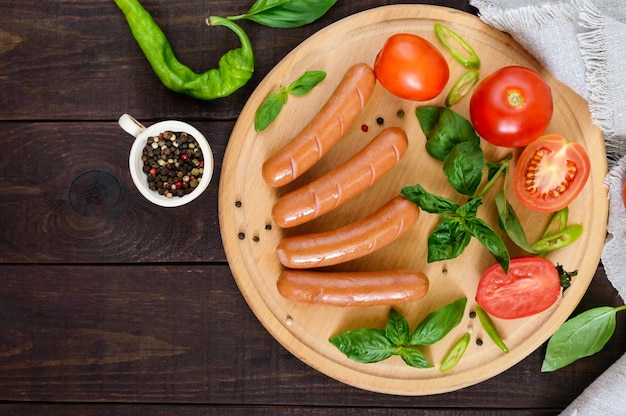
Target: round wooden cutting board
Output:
[{"x": 250, "y": 237}]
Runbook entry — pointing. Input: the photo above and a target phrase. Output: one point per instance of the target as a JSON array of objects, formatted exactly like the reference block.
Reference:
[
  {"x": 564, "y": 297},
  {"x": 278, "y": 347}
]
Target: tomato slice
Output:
[
  {"x": 531, "y": 286},
  {"x": 550, "y": 173}
]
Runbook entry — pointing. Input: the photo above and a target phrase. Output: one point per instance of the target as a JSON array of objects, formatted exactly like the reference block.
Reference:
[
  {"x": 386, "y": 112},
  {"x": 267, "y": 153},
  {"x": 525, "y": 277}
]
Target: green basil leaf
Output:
[
  {"x": 428, "y": 118},
  {"x": 367, "y": 345},
  {"x": 470, "y": 208},
  {"x": 438, "y": 323},
  {"x": 510, "y": 224},
  {"x": 414, "y": 358},
  {"x": 579, "y": 337},
  {"x": 306, "y": 82},
  {"x": 429, "y": 202},
  {"x": 397, "y": 329},
  {"x": 494, "y": 168},
  {"x": 444, "y": 128},
  {"x": 286, "y": 13},
  {"x": 447, "y": 241},
  {"x": 490, "y": 239},
  {"x": 268, "y": 111},
  {"x": 464, "y": 167}
]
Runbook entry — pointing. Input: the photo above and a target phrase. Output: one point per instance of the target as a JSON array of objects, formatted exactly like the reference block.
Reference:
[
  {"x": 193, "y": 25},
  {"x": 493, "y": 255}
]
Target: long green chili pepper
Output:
[
  {"x": 490, "y": 328},
  {"x": 234, "y": 70},
  {"x": 469, "y": 59}
]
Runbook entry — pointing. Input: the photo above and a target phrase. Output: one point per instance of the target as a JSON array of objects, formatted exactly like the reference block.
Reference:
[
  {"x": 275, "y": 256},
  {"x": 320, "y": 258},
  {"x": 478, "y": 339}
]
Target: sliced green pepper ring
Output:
[
  {"x": 444, "y": 35},
  {"x": 490, "y": 328},
  {"x": 558, "y": 240},
  {"x": 462, "y": 87},
  {"x": 454, "y": 355},
  {"x": 560, "y": 217}
]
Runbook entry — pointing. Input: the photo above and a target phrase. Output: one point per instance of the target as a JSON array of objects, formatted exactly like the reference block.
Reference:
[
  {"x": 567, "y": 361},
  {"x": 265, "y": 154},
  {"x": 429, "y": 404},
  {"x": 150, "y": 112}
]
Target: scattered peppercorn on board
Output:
[{"x": 250, "y": 237}]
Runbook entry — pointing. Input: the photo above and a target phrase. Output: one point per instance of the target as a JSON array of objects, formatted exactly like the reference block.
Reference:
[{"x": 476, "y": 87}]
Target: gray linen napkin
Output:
[{"x": 583, "y": 44}]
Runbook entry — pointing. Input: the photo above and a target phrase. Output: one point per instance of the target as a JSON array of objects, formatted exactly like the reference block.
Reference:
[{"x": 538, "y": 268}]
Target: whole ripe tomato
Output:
[
  {"x": 410, "y": 67},
  {"x": 550, "y": 173},
  {"x": 531, "y": 286},
  {"x": 511, "y": 107}
]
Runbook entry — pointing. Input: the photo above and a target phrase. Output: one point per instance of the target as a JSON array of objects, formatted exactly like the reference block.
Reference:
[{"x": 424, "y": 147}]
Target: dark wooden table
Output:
[{"x": 111, "y": 305}]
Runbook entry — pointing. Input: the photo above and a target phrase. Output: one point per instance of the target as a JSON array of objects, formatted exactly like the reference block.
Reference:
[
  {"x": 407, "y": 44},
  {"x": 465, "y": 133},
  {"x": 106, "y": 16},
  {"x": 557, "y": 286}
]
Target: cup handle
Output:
[{"x": 130, "y": 125}]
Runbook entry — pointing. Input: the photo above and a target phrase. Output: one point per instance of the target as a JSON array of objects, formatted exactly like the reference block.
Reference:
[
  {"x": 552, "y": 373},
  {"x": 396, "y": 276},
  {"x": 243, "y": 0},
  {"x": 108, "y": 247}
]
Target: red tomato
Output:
[
  {"x": 410, "y": 67},
  {"x": 624, "y": 193},
  {"x": 511, "y": 107},
  {"x": 531, "y": 286},
  {"x": 550, "y": 173}
]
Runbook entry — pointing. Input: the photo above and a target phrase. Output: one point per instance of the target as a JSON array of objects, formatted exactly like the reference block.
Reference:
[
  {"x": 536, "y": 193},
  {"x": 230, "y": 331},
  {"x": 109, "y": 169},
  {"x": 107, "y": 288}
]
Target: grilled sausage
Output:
[
  {"x": 350, "y": 241},
  {"x": 388, "y": 287},
  {"x": 344, "y": 182},
  {"x": 324, "y": 130}
]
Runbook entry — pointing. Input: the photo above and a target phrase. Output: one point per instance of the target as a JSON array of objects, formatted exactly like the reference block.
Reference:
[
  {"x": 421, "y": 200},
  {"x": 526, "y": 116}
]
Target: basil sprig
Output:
[
  {"x": 581, "y": 336},
  {"x": 371, "y": 345},
  {"x": 458, "y": 226},
  {"x": 286, "y": 13},
  {"x": 451, "y": 138},
  {"x": 273, "y": 104}
]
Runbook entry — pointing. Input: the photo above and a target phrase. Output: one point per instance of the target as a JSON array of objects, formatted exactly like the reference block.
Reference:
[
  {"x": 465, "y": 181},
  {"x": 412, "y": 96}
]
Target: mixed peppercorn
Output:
[{"x": 173, "y": 163}]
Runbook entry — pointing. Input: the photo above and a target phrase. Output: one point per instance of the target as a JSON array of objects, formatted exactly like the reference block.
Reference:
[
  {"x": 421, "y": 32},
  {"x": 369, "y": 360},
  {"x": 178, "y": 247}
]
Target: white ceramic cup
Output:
[{"x": 141, "y": 134}]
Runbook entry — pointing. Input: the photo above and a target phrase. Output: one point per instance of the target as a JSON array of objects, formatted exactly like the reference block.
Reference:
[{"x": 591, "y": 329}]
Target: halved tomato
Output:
[
  {"x": 531, "y": 286},
  {"x": 550, "y": 173}
]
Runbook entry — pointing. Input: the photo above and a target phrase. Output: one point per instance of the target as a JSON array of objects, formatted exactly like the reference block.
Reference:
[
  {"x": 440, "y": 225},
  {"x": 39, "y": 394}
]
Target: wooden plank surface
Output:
[
  {"x": 109, "y": 305},
  {"x": 96, "y": 333}
]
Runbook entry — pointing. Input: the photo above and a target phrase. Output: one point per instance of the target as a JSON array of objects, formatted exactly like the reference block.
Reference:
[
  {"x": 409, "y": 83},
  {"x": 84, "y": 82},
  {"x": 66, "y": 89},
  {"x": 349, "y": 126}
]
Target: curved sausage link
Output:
[
  {"x": 388, "y": 287},
  {"x": 344, "y": 182},
  {"x": 350, "y": 241},
  {"x": 324, "y": 130}
]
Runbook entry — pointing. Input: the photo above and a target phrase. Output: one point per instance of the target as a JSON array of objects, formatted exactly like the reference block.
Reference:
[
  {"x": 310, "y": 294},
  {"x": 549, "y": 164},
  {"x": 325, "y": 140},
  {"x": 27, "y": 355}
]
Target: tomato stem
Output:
[{"x": 515, "y": 99}]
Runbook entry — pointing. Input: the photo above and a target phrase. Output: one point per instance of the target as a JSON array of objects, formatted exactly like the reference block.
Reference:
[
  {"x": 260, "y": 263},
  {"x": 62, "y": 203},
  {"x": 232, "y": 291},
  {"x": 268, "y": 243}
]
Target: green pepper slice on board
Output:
[
  {"x": 462, "y": 87},
  {"x": 469, "y": 58},
  {"x": 453, "y": 356},
  {"x": 490, "y": 328},
  {"x": 559, "y": 239},
  {"x": 234, "y": 70}
]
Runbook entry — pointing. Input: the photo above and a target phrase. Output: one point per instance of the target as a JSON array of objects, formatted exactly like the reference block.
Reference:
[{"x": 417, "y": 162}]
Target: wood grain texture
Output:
[
  {"x": 97, "y": 334},
  {"x": 109, "y": 305},
  {"x": 83, "y": 205}
]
